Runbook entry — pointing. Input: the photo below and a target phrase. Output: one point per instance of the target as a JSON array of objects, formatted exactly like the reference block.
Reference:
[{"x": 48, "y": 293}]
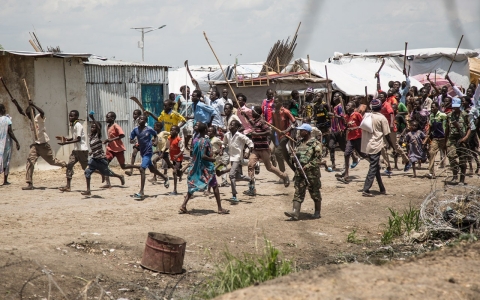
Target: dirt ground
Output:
[{"x": 65, "y": 245}]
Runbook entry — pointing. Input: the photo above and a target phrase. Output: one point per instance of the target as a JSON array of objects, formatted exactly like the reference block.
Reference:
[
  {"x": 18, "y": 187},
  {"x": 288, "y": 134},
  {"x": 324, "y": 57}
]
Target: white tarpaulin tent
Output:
[
  {"x": 352, "y": 78},
  {"x": 206, "y": 73},
  {"x": 421, "y": 61}
]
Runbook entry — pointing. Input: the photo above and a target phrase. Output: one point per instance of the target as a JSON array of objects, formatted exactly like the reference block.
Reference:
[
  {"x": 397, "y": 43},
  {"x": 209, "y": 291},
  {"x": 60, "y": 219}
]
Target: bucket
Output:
[{"x": 164, "y": 253}]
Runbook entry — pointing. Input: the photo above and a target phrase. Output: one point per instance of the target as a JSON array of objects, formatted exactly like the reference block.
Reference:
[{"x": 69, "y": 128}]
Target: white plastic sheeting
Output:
[
  {"x": 352, "y": 78},
  {"x": 203, "y": 74},
  {"x": 421, "y": 61}
]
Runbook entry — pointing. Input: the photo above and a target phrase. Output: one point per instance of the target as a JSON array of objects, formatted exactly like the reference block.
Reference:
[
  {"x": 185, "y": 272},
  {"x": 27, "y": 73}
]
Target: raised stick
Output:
[
  {"x": 32, "y": 116},
  {"x": 379, "y": 69},
  {"x": 223, "y": 71},
  {"x": 454, "y": 55},
  {"x": 405, "y": 58}
]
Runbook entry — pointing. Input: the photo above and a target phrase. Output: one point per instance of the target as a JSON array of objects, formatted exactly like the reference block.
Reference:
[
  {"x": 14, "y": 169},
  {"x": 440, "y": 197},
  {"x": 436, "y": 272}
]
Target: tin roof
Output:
[
  {"x": 46, "y": 54},
  {"x": 108, "y": 62}
]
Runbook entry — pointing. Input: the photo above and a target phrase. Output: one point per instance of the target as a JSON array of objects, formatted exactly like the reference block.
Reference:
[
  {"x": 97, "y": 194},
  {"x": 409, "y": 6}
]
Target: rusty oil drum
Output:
[{"x": 164, "y": 253}]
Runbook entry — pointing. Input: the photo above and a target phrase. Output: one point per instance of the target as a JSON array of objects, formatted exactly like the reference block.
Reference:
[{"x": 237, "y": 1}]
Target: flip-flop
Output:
[
  {"x": 64, "y": 189},
  {"x": 354, "y": 164},
  {"x": 365, "y": 194},
  {"x": 27, "y": 188},
  {"x": 182, "y": 210},
  {"x": 138, "y": 196},
  {"x": 343, "y": 180},
  {"x": 86, "y": 193},
  {"x": 223, "y": 212}
]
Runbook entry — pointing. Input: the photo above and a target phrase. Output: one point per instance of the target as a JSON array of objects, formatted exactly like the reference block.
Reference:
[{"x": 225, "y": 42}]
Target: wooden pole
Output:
[
  {"x": 32, "y": 115},
  {"x": 405, "y": 58},
  {"x": 223, "y": 71},
  {"x": 329, "y": 97},
  {"x": 309, "y": 68},
  {"x": 454, "y": 56}
]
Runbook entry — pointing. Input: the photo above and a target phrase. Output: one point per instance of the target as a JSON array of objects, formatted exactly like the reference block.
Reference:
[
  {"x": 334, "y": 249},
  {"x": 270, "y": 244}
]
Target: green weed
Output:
[
  {"x": 236, "y": 273},
  {"x": 352, "y": 238},
  {"x": 399, "y": 224}
]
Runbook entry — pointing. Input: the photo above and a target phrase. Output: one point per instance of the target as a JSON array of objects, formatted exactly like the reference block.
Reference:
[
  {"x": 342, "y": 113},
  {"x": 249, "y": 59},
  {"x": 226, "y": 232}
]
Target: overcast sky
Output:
[{"x": 247, "y": 27}]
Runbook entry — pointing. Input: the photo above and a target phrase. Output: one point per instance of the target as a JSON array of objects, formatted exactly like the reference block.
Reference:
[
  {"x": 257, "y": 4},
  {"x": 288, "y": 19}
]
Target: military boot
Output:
[
  {"x": 462, "y": 176},
  {"x": 295, "y": 214},
  {"x": 318, "y": 208}
]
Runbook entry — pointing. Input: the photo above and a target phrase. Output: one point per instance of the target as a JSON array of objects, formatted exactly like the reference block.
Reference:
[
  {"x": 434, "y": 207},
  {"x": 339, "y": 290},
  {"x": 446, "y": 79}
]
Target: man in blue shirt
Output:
[
  {"x": 144, "y": 135},
  {"x": 202, "y": 112}
]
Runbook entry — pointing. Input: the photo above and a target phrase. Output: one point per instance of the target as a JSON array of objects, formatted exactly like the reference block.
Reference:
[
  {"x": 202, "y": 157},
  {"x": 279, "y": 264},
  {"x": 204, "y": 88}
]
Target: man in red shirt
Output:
[
  {"x": 268, "y": 106},
  {"x": 353, "y": 119},
  {"x": 389, "y": 114},
  {"x": 283, "y": 119}
]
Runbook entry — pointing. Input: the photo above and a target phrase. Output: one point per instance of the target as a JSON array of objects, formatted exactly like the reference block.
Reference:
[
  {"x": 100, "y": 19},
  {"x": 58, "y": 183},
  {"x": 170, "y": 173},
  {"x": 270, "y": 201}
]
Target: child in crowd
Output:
[
  {"x": 80, "y": 148},
  {"x": 236, "y": 141},
  {"x": 176, "y": 148},
  {"x": 160, "y": 150},
  {"x": 98, "y": 162},
  {"x": 136, "y": 114},
  {"x": 416, "y": 152},
  {"x": 115, "y": 146},
  {"x": 143, "y": 134}
]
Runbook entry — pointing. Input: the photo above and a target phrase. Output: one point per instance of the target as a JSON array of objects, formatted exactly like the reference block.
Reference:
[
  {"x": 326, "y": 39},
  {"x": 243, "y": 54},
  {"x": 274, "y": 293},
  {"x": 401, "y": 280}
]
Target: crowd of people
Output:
[{"x": 210, "y": 138}]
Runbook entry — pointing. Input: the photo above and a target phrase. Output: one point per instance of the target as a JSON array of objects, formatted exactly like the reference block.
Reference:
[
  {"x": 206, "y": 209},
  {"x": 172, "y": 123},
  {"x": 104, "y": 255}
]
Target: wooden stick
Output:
[
  {"x": 408, "y": 73},
  {"x": 32, "y": 116},
  {"x": 309, "y": 68},
  {"x": 454, "y": 56},
  {"x": 379, "y": 69},
  {"x": 329, "y": 96},
  {"x": 435, "y": 79},
  {"x": 223, "y": 71},
  {"x": 405, "y": 58},
  {"x": 366, "y": 95}
]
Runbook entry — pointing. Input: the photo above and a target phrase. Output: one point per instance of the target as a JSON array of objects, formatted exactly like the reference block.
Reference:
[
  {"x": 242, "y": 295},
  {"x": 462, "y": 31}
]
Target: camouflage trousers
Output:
[
  {"x": 301, "y": 186},
  {"x": 457, "y": 156}
]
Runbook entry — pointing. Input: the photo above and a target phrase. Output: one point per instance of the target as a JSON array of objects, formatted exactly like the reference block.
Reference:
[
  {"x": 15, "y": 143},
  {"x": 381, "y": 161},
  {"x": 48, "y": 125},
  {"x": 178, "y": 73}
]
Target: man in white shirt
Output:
[
  {"x": 225, "y": 97},
  {"x": 40, "y": 147},
  {"x": 80, "y": 148},
  {"x": 372, "y": 145},
  {"x": 236, "y": 141}
]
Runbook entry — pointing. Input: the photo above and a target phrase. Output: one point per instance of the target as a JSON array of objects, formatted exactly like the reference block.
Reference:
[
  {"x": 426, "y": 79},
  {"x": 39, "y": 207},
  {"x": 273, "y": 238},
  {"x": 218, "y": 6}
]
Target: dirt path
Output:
[{"x": 76, "y": 239}]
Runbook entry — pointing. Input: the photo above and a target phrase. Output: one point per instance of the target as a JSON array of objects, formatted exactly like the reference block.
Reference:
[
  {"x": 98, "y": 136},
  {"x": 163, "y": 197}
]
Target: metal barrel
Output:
[{"x": 164, "y": 253}]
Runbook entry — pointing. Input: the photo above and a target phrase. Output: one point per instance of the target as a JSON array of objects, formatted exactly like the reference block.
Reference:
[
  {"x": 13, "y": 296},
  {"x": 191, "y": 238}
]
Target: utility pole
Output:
[{"x": 148, "y": 29}]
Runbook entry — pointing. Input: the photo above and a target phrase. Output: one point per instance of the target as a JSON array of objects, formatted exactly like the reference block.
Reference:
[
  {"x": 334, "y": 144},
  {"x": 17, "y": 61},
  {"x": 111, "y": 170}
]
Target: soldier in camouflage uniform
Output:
[
  {"x": 309, "y": 153},
  {"x": 457, "y": 132}
]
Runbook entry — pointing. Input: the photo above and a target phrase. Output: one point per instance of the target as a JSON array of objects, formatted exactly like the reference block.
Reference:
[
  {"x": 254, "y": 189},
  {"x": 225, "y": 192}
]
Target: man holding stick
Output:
[{"x": 40, "y": 147}]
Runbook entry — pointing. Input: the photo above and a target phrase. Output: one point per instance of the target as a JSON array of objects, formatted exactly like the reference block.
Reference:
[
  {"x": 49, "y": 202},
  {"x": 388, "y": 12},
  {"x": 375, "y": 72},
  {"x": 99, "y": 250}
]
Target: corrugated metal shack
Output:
[
  {"x": 61, "y": 82},
  {"x": 110, "y": 84}
]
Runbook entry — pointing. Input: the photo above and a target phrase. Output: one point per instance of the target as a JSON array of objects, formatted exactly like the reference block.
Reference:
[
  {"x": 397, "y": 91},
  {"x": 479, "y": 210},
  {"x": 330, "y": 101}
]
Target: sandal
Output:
[
  {"x": 64, "y": 189},
  {"x": 138, "y": 196},
  {"x": 343, "y": 180},
  {"x": 223, "y": 211},
  {"x": 183, "y": 210},
  {"x": 86, "y": 193},
  {"x": 365, "y": 194},
  {"x": 354, "y": 164},
  {"x": 27, "y": 188}
]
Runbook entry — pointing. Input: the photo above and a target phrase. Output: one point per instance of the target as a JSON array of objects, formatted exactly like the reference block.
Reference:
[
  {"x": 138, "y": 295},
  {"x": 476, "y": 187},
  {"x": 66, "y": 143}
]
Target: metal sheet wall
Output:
[{"x": 109, "y": 88}]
